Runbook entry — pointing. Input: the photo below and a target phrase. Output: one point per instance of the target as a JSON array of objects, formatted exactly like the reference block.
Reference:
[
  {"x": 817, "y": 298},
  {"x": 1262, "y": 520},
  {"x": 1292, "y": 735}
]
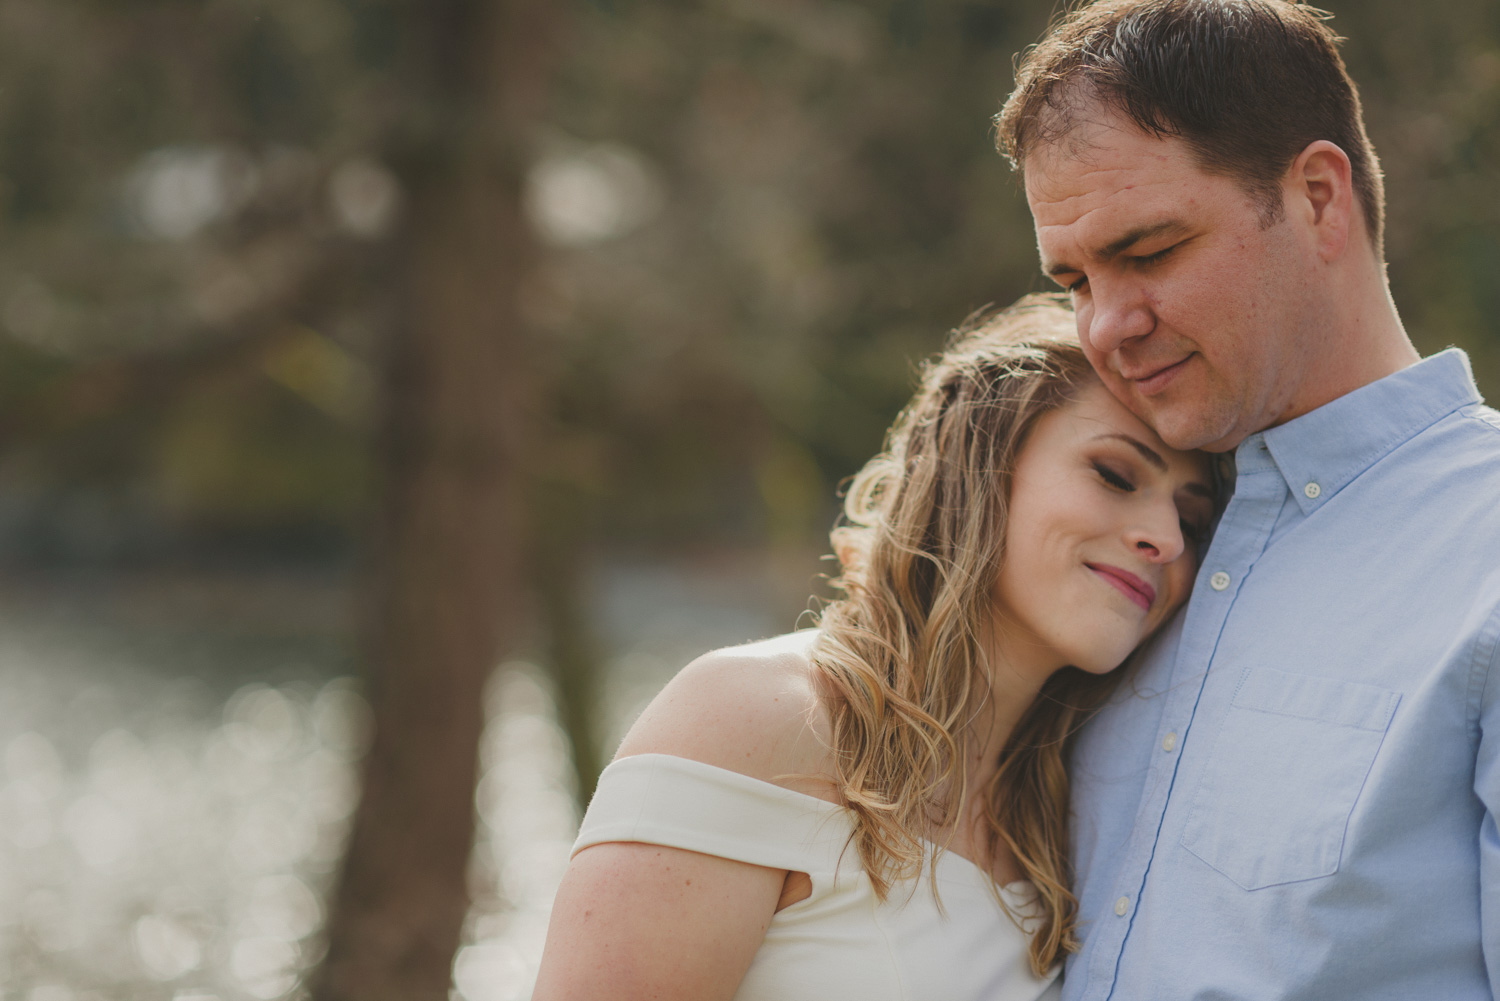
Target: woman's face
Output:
[{"x": 1102, "y": 546}]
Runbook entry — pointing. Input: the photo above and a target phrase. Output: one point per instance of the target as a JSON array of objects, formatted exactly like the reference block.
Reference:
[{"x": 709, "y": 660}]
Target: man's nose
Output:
[{"x": 1118, "y": 314}]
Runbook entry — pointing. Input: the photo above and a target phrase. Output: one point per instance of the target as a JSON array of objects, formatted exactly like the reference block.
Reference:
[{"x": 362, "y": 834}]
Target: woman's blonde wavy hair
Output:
[{"x": 902, "y": 657}]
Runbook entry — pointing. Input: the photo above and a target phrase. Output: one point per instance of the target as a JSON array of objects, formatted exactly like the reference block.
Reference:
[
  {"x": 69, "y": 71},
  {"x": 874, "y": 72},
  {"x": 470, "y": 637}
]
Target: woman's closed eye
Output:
[
  {"x": 1193, "y": 533},
  {"x": 1115, "y": 479}
]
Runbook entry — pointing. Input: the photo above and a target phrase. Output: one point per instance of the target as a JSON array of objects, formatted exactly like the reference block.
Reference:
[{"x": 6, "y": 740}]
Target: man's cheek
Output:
[{"x": 1083, "y": 317}]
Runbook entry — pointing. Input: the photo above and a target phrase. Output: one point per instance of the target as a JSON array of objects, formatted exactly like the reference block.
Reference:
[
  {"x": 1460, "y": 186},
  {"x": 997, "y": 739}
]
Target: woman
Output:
[{"x": 878, "y": 808}]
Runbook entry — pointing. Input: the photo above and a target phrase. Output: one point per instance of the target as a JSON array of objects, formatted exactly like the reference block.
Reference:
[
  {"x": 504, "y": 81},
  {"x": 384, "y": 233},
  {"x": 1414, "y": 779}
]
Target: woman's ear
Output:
[{"x": 847, "y": 548}]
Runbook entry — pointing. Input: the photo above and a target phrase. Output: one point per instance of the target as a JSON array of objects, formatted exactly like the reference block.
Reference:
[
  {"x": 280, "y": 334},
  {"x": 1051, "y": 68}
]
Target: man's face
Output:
[{"x": 1194, "y": 315}]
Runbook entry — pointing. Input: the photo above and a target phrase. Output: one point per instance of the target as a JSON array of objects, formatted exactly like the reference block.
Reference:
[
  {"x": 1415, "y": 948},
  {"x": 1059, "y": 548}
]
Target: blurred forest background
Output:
[{"x": 467, "y": 367}]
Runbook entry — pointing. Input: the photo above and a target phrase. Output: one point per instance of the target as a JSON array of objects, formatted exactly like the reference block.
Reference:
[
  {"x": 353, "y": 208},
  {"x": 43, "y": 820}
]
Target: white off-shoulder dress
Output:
[{"x": 841, "y": 943}]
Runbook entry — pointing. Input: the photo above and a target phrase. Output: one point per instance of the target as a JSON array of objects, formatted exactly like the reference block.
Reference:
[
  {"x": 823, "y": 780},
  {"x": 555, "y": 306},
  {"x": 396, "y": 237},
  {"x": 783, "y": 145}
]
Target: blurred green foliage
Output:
[{"x": 758, "y": 215}]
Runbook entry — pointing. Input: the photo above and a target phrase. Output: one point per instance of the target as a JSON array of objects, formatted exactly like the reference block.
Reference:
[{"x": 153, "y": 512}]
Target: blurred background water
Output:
[
  {"x": 178, "y": 777},
  {"x": 179, "y": 770}
]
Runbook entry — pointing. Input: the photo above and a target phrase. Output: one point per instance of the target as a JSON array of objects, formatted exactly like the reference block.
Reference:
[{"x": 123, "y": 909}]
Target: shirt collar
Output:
[{"x": 1319, "y": 453}]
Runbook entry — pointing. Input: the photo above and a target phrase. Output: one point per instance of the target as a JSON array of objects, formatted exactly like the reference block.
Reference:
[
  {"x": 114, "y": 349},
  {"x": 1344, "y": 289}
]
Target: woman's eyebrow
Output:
[
  {"x": 1199, "y": 490},
  {"x": 1152, "y": 456},
  {"x": 1147, "y": 452}
]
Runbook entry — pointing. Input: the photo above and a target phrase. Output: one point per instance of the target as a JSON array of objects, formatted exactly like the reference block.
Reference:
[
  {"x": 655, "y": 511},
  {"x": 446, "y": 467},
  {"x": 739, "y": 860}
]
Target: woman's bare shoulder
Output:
[{"x": 752, "y": 709}]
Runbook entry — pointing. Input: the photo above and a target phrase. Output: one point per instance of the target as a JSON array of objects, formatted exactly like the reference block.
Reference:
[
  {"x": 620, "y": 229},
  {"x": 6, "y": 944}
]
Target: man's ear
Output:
[{"x": 1319, "y": 191}]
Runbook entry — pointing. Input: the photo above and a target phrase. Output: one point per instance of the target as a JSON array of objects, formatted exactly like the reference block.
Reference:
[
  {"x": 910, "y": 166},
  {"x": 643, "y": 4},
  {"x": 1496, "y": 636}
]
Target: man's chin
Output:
[
  {"x": 1187, "y": 431},
  {"x": 1179, "y": 424}
]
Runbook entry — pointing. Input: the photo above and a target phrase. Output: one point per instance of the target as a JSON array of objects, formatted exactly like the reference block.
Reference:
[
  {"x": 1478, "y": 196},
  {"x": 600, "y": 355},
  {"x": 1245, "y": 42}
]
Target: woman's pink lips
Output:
[
  {"x": 1129, "y": 584},
  {"x": 1154, "y": 383}
]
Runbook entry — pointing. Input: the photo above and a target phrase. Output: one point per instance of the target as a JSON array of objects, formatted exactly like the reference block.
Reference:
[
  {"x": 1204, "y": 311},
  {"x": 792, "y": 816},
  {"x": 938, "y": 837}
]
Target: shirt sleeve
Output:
[{"x": 1487, "y": 787}]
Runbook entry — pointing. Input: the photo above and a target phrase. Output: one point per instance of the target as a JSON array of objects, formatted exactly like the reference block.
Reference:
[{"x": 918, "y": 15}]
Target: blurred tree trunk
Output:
[
  {"x": 446, "y": 555},
  {"x": 573, "y": 655}
]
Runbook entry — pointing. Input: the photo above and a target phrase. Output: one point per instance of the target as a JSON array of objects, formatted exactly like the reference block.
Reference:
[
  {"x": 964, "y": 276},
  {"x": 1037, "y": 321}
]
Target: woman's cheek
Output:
[{"x": 1182, "y": 581}]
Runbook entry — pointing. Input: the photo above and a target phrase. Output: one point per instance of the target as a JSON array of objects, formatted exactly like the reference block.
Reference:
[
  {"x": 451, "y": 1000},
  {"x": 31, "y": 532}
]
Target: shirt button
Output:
[
  {"x": 1169, "y": 741},
  {"x": 1122, "y": 905},
  {"x": 1219, "y": 581},
  {"x": 1311, "y": 491}
]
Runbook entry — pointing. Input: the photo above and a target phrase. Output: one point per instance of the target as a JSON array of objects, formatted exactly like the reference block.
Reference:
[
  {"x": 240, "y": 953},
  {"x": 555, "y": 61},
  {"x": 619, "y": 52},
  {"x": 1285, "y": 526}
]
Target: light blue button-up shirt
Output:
[{"x": 1295, "y": 794}]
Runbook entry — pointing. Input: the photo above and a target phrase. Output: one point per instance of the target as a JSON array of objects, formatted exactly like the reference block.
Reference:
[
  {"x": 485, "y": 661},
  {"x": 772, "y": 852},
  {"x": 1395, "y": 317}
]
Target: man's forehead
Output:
[
  {"x": 1104, "y": 159},
  {"x": 1088, "y": 133},
  {"x": 1109, "y": 190},
  {"x": 1102, "y": 210}
]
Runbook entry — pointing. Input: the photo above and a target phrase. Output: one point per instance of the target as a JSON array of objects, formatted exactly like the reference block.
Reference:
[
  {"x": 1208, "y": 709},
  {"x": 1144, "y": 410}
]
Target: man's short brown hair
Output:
[{"x": 1246, "y": 84}]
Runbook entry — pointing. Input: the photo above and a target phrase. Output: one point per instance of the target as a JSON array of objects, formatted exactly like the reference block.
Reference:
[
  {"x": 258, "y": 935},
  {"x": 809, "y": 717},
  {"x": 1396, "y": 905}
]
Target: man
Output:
[{"x": 1295, "y": 796}]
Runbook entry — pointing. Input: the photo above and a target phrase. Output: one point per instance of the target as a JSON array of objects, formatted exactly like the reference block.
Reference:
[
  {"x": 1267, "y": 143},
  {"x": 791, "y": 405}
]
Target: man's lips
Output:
[
  {"x": 1153, "y": 380},
  {"x": 1127, "y": 583}
]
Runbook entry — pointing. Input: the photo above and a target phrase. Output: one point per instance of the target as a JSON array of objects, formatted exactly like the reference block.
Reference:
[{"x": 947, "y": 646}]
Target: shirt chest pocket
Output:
[{"x": 1283, "y": 776}]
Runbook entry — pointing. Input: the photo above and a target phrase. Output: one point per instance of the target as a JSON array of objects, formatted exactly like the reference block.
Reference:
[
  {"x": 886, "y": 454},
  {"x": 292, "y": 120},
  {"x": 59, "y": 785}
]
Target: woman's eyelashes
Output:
[{"x": 1114, "y": 478}]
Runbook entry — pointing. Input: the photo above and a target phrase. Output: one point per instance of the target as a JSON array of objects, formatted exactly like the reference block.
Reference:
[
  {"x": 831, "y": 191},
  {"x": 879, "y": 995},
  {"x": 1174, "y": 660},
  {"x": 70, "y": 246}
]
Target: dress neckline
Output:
[{"x": 1017, "y": 888}]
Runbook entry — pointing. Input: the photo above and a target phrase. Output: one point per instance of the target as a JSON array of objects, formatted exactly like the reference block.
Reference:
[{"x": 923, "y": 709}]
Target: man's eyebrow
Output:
[{"x": 1124, "y": 243}]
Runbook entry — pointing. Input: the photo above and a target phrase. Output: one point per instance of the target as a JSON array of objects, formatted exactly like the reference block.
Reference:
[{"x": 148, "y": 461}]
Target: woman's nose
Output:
[{"x": 1159, "y": 538}]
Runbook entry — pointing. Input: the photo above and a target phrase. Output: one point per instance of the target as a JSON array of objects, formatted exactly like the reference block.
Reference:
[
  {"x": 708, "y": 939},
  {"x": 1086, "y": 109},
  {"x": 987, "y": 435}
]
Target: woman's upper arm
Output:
[{"x": 637, "y": 921}]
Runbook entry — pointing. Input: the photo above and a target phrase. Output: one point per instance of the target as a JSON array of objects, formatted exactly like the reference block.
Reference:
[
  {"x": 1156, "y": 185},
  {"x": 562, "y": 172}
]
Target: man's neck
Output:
[{"x": 1365, "y": 342}]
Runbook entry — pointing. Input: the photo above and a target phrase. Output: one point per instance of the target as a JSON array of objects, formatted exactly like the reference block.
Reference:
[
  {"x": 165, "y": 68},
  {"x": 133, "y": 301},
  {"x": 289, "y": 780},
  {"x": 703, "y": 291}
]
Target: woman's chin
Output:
[{"x": 1102, "y": 661}]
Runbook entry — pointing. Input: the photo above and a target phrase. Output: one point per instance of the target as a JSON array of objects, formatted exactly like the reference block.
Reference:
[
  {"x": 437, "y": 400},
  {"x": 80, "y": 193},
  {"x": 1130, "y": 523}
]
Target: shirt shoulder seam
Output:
[
  {"x": 1375, "y": 451},
  {"x": 1481, "y": 413},
  {"x": 1486, "y": 654}
]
